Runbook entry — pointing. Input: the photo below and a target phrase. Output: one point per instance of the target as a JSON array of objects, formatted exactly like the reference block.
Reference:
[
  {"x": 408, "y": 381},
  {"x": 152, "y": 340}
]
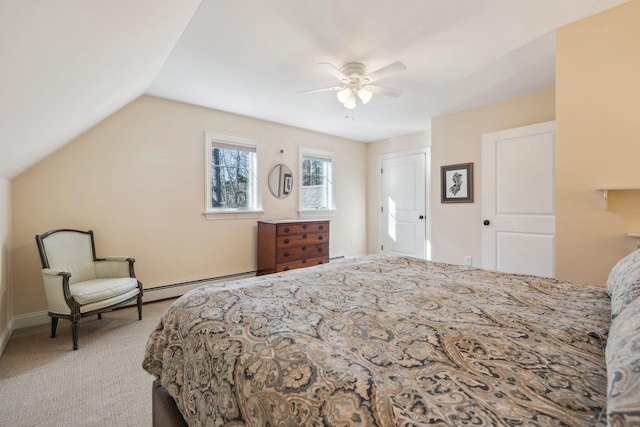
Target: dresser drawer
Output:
[
  {"x": 301, "y": 239},
  {"x": 311, "y": 227},
  {"x": 300, "y": 252},
  {"x": 302, "y": 263}
]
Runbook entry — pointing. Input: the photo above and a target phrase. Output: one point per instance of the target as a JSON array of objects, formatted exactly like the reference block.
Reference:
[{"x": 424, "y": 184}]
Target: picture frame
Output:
[
  {"x": 288, "y": 183},
  {"x": 457, "y": 183}
]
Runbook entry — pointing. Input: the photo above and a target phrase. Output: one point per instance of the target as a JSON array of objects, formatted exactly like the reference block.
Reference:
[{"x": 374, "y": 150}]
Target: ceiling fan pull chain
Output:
[{"x": 353, "y": 114}]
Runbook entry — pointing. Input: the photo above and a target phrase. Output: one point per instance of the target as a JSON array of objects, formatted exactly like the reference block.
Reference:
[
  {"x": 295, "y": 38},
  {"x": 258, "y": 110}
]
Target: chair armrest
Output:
[
  {"x": 114, "y": 267},
  {"x": 53, "y": 272},
  {"x": 56, "y": 287},
  {"x": 116, "y": 258}
]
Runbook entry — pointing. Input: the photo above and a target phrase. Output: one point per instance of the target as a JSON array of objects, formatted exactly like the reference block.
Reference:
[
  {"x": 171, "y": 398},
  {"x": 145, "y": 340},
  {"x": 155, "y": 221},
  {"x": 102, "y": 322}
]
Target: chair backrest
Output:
[{"x": 72, "y": 251}]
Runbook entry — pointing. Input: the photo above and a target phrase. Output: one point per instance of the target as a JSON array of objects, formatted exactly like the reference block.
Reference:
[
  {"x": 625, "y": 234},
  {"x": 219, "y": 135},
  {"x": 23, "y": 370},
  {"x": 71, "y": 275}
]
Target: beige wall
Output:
[
  {"x": 374, "y": 150},
  {"x": 137, "y": 177},
  {"x": 5, "y": 243},
  {"x": 598, "y": 141},
  {"x": 456, "y": 138},
  {"x": 137, "y": 180}
]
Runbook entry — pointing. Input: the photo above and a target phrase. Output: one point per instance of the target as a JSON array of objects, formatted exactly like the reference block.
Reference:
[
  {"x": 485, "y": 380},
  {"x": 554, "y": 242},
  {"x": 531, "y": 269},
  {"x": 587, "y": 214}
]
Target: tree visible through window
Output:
[
  {"x": 230, "y": 183},
  {"x": 313, "y": 172}
]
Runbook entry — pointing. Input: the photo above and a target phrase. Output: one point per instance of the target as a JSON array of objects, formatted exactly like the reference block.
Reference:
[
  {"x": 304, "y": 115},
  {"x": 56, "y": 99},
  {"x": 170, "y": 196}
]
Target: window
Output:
[
  {"x": 231, "y": 187},
  {"x": 316, "y": 175}
]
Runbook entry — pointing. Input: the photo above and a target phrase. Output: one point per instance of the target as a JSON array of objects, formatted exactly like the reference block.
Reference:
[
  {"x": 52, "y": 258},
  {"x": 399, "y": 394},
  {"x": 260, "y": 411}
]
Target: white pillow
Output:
[{"x": 623, "y": 284}]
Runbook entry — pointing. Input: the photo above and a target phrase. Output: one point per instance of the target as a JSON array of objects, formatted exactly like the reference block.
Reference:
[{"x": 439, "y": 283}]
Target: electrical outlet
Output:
[{"x": 467, "y": 260}]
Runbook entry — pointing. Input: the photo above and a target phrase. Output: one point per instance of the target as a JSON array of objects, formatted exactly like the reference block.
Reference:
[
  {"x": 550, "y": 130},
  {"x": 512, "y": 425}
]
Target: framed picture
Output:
[
  {"x": 457, "y": 183},
  {"x": 288, "y": 183}
]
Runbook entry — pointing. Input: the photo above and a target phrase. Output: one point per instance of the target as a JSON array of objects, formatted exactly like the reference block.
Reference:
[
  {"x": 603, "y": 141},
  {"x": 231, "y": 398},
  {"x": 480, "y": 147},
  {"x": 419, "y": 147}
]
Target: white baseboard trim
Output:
[
  {"x": 6, "y": 335},
  {"x": 30, "y": 319}
]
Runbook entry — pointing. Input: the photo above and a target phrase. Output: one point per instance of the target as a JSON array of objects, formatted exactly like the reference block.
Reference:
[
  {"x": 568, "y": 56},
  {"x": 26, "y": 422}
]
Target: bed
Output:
[{"x": 397, "y": 341}]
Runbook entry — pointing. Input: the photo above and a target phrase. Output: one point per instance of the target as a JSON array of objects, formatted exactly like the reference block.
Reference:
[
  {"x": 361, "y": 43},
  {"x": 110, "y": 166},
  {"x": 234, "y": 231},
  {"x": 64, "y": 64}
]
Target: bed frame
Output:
[{"x": 165, "y": 411}]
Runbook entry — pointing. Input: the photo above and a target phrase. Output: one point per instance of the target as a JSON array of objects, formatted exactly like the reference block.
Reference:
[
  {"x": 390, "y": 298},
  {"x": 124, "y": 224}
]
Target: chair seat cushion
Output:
[{"x": 95, "y": 290}]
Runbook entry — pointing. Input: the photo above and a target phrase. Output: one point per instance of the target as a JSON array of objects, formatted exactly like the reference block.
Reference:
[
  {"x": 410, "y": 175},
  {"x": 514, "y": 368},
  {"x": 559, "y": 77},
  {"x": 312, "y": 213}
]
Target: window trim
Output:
[
  {"x": 211, "y": 213},
  {"x": 322, "y": 155}
]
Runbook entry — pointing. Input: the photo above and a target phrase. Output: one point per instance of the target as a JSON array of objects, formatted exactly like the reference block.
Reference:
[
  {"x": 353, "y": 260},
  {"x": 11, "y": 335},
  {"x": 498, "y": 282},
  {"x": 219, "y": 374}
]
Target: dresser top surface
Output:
[{"x": 292, "y": 221}]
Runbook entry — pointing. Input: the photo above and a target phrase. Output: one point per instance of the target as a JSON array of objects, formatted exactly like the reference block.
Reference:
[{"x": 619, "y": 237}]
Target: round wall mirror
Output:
[{"x": 281, "y": 181}]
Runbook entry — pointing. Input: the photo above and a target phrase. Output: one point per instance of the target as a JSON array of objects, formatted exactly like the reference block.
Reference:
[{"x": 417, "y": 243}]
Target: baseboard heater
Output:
[{"x": 175, "y": 290}]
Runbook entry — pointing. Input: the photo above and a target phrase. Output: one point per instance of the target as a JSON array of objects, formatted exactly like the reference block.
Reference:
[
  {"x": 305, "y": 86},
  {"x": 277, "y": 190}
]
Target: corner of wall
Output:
[
  {"x": 5, "y": 336},
  {"x": 6, "y": 324}
]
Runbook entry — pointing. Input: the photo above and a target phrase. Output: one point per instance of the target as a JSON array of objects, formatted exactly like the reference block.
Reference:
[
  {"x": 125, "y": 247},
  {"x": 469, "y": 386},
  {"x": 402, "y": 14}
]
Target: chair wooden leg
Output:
[
  {"x": 54, "y": 326},
  {"x": 74, "y": 332},
  {"x": 139, "y": 307}
]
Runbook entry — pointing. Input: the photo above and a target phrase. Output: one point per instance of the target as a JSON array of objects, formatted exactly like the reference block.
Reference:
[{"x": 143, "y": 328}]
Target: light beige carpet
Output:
[{"x": 43, "y": 382}]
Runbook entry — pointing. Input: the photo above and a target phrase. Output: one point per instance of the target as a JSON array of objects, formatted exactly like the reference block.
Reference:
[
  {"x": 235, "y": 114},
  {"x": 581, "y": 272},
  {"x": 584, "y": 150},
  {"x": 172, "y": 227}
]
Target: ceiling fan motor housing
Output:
[{"x": 355, "y": 71}]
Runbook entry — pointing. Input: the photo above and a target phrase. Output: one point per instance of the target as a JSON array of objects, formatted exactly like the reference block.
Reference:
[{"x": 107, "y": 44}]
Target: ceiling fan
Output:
[{"x": 355, "y": 81}]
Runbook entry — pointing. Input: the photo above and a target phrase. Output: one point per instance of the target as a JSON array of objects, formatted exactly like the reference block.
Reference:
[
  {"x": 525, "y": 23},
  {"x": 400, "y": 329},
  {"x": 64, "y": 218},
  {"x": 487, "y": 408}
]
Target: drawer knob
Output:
[
  {"x": 320, "y": 237},
  {"x": 304, "y": 226},
  {"x": 304, "y": 248},
  {"x": 319, "y": 249},
  {"x": 320, "y": 262},
  {"x": 304, "y": 261},
  {"x": 286, "y": 229},
  {"x": 286, "y": 254},
  {"x": 286, "y": 268},
  {"x": 304, "y": 236},
  {"x": 321, "y": 227},
  {"x": 286, "y": 241}
]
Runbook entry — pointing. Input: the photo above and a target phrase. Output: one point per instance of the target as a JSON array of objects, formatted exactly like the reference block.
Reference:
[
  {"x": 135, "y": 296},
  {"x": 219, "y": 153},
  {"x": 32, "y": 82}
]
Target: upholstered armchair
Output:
[{"x": 77, "y": 284}]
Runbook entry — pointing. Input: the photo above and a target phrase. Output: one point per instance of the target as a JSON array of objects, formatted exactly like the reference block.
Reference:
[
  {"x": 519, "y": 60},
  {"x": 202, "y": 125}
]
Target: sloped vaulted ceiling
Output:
[{"x": 67, "y": 64}]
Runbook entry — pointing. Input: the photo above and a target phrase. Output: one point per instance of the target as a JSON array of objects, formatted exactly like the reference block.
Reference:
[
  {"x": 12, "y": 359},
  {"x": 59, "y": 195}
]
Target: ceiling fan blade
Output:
[
  {"x": 386, "y": 91},
  {"x": 334, "y": 71},
  {"x": 383, "y": 72},
  {"x": 324, "y": 89}
]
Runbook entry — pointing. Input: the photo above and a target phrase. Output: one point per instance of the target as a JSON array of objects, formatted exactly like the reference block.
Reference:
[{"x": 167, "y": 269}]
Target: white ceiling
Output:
[
  {"x": 65, "y": 65},
  {"x": 68, "y": 64}
]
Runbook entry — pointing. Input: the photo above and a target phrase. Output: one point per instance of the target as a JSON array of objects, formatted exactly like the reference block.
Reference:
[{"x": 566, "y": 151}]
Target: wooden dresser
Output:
[{"x": 287, "y": 244}]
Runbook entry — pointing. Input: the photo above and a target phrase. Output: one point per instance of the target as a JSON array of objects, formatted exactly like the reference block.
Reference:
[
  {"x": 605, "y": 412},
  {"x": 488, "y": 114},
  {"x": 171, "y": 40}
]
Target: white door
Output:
[
  {"x": 404, "y": 207},
  {"x": 518, "y": 200}
]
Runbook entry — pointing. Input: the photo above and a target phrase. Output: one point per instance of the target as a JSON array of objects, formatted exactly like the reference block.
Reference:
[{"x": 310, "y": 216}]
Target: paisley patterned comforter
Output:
[{"x": 386, "y": 341}]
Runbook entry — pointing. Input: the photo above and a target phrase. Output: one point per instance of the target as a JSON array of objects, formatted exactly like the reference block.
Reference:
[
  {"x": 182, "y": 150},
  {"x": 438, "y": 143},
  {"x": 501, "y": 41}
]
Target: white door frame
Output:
[{"x": 427, "y": 174}]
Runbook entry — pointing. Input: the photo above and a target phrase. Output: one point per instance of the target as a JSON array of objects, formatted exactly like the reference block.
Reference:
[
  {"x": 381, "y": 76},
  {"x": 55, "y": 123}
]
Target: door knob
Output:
[
  {"x": 486, "y": 222},
  {"x": 421, "y": 217}
]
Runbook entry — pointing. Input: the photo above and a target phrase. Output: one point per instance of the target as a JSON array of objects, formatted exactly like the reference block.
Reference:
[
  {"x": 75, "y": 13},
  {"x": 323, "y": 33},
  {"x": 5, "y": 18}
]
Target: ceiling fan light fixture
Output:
[
  {"x": 356, "y": 83},
  {"x": 344, "y": 95},
  {"x": 351, "y": 103},
  {"x": 365, "y": 94}
]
